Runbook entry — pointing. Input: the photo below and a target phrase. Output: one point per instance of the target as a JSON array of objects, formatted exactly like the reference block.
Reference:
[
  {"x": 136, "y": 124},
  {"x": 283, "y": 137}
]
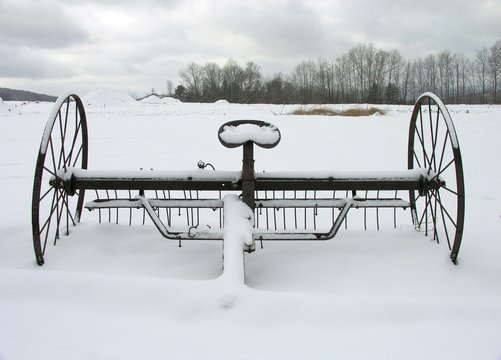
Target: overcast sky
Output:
[{"x": 52, "y": 46}]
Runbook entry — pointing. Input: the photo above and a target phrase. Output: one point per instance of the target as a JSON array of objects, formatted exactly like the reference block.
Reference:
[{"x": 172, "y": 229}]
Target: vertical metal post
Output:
[{"x": 248, "y": 184}]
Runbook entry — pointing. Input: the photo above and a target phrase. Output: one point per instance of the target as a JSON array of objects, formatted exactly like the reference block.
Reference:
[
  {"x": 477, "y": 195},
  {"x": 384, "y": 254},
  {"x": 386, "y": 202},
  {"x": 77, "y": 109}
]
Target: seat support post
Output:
[{"x": 248, "y": 181}]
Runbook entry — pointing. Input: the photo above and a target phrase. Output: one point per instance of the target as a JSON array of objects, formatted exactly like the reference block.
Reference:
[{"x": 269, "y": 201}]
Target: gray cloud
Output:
[
  {"x": 31, "y": 63},
  {"x": 139, "y": 45},
  {"x": 277, "y": 29},
  {"x": 37, "y": 24}
]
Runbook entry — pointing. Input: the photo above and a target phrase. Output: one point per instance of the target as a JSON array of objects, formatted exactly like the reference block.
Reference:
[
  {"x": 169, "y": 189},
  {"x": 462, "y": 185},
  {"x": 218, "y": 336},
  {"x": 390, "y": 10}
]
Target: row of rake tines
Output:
[{"x": 277, "y": 218}]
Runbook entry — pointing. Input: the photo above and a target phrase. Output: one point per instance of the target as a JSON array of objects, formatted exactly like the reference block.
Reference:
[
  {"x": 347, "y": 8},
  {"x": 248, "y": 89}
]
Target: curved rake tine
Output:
[
  {"x": 295, "y": 212},
  {"x": 284, "y": 216},
  {"x": 109, "y": 209},
  {"x": 130, "y": 210},
  {"x": 116, "y": 197},
  {"x": 365, "y": 212},
  {"x": 395, "y": 212},
  {"x": 346, "y": 217}
]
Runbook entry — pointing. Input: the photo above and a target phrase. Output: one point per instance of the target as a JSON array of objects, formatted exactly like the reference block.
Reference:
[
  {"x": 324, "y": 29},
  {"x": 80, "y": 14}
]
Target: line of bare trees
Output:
[{"x": 363, "y": 75}]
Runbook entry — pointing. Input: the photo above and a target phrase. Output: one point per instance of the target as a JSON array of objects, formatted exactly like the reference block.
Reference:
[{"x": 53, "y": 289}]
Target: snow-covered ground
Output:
[{"x": 112, "y": 291}]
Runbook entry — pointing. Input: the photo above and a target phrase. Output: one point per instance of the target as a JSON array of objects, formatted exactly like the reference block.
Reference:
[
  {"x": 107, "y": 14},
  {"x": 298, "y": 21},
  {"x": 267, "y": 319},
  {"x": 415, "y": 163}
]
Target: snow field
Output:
[{"x": 117, "y": 292}]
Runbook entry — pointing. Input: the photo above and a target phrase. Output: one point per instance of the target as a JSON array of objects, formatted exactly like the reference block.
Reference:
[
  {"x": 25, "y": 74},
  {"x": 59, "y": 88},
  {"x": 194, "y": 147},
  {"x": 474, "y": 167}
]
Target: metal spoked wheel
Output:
[
  {"x": 433, "y": 145},
  {"x": 64, "y": 145}
]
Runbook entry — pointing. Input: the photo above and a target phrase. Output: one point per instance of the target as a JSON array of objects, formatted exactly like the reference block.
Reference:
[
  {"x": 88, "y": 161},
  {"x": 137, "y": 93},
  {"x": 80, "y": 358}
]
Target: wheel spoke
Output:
[
  {"x": 423, "y": 148},
  {"x": 59, "y": 213},
  {"x": 47, "y": 222},
  {"x": 417, "y": 160},
  {"x": 449, "y": 190},
  {"x": 50, "y": 172},
  {"x": 77, "y": 156},
  {"x": 65, "y": 200},
  {"x": 443, "y": 151},
  {"x": 441, "y": 171},
  {"x": 445, "y": 210},
  {"x": 61, "y": 153},
  {"x": 443, "y": 220},
  {"x": 426, "y": 158},
  {"x": 45, "y": 194},
  {"x": 425, "y": 212},
  {"x": 73, "y": 143},
  {"x": 433, "y": 143},
  {"x": 52, "y": 156},
  {"x": 434, "y": 215},
  {"x": 62, "y": 129},
  {"x": 425, "y": 155}
]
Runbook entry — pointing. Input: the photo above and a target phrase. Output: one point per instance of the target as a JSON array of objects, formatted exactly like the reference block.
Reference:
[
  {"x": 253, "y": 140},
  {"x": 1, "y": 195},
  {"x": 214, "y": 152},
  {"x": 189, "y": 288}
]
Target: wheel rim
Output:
[
  {"x": 433, "y": 145},
  {"x": 64, "y": 145}
]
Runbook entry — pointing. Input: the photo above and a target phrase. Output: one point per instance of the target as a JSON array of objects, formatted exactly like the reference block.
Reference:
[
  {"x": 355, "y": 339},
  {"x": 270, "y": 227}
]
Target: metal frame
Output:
[{"x": 64, "y": 176}]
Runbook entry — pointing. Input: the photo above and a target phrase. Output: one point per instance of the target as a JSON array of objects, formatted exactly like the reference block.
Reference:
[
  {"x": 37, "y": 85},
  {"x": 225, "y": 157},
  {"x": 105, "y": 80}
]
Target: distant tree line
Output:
[
  {"x": 364, "y": 74},
  {"x": 22, "y": 95}
]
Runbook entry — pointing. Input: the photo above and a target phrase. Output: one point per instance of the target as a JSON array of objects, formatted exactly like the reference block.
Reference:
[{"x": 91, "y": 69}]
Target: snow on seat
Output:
[{"x": 238, "y": 132}]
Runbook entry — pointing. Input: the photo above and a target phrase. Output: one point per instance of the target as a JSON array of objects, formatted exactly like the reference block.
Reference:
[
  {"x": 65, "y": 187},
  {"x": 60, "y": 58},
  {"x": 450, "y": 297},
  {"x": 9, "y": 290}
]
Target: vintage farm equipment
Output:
[{"x": 283, "y": 205}]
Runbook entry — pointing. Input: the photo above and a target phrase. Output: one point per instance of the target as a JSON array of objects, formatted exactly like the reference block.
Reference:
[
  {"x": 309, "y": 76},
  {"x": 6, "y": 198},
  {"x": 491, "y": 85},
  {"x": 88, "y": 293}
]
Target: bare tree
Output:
[
  {"x": 325, "y": 80},
  {"x": 252, "y": 82},
  {"x": 192, "y": 77},
  {"x": 430, "y": 70},
  {"x": 211, "y": 82},
  {"x": 233, "y": 78},
  {"x": 444, "y": 61},
  {"x": 304, "y": 78},
  {"x": 494, "y": 62},
  {"x": 460, "y": 65},
  {"x": 170, "y": 87},
  {"x": 408, "y": 82},
  {"x": 395, "y": 64},
  {"x": 481, "y": 63}
]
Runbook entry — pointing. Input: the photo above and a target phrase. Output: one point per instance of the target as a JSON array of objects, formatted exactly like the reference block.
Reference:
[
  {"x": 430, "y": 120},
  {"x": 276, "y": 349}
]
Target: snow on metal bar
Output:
[
  {"x": 411, "y": 174},
  {"x": 238, "y": 237},
  {"x": 155, "y": 203},
  {"x": 176, "y": 175},
  {"x": 202, "y": 175}
]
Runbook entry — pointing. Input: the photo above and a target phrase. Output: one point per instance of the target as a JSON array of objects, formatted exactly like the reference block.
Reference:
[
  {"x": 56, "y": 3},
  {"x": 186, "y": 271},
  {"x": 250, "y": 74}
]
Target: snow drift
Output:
[{"x": 104, "y": 97}]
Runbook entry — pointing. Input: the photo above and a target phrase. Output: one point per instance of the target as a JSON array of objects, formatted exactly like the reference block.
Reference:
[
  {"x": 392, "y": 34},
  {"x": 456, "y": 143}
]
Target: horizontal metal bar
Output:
[
  {"x": 155, "y": 203},
  {"x": 260, "y": 203},
  {"x": 204, "y": 180},
  {"x": 332, "y": 203},
  {"x": 154, "y": 184},
  {"x": 333, "y": 184}
]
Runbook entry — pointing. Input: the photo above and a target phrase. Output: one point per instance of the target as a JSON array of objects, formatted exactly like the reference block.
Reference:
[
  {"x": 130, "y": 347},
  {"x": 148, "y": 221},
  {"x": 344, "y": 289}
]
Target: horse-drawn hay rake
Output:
[{"x": 279, "y": 206}]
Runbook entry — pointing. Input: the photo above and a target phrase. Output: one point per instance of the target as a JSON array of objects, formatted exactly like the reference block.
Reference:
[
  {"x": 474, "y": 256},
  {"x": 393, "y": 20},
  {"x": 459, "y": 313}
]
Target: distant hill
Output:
[{"x": 22, "y": 95}]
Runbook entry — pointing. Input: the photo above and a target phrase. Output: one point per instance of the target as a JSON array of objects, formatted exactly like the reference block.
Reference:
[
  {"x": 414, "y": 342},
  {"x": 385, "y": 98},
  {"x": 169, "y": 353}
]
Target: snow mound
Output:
[
  {"x": 4, "y": 108},
  {"x": 152, "y": 99},
  {"x": 107, "y": 97},
  {"x": 170, "y": 100},
  {"x": 222, "y": 102}
]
